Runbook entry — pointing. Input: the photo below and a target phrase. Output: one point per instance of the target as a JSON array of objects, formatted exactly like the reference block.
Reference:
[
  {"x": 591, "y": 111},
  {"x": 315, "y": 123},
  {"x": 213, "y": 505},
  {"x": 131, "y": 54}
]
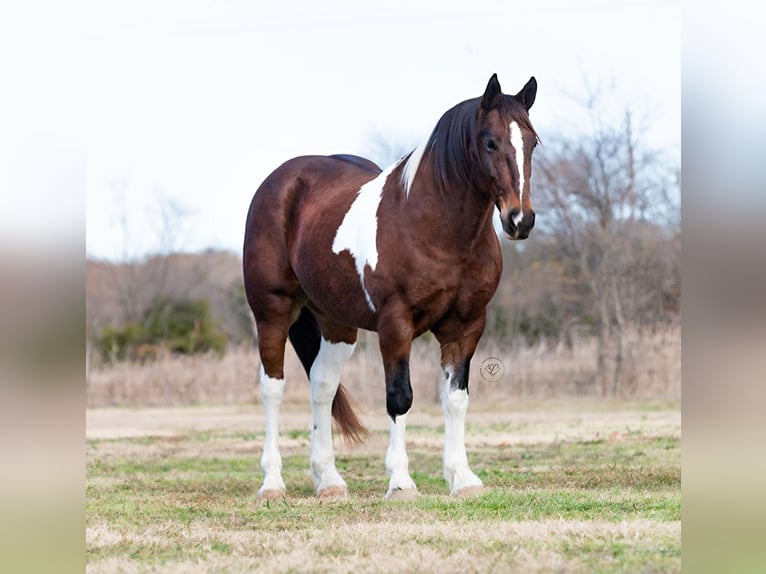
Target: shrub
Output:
[{"x": 182, "y": 326}]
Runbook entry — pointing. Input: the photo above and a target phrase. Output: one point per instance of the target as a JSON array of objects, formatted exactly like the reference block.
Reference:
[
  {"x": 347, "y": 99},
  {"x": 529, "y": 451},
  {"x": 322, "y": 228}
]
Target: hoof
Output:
[
  {"x": 271, "y": 494},
  {"x": 470, "y": 491},
  {"x": 333, "y": 492},
  {"x": 402, "y": 494}
]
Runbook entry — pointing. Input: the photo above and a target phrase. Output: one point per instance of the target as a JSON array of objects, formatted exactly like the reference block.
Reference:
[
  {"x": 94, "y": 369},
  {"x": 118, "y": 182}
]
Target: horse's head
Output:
[{"x": 504, "y": 143}]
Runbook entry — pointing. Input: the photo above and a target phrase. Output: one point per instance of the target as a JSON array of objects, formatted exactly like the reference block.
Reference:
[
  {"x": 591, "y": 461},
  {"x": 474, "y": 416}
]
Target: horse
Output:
[{"x": 334, "y": 244}]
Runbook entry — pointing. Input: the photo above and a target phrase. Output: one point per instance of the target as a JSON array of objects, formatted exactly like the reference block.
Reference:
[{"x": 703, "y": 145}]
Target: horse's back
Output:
[
  {"x": 361, "y": 162},
  {"x": 302, "y": 177},
  {"x": 294, "y": 215}
]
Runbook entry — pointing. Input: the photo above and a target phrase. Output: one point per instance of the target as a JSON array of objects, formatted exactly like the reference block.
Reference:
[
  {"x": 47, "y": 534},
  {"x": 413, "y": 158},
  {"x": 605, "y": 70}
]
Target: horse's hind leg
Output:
[
  {"x": 336, "y": 346},
  {"x": 273, "y": 321}
]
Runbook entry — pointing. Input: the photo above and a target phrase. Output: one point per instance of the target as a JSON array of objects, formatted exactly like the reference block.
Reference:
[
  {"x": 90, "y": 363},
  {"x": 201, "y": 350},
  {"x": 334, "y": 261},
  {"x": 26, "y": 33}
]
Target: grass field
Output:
[{"x": 571, "y": 487}]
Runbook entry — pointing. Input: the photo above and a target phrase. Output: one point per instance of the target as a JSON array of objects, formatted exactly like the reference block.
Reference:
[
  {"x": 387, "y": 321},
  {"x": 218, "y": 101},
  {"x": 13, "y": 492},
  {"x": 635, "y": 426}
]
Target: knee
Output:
[
  {"x": 271, "y": 388},
  {"x": 455, "y": 391},
  {"x": 455, "y": 401},
  {"x": 398, "y": 401},
  {"x": 399, "y": 393}
]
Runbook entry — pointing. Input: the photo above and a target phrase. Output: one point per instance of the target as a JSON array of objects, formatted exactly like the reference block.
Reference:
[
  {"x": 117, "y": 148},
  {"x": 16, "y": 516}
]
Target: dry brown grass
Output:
[
  {"x": 652, "y": 370},
  {"x": 571, "y": 487},
  {"x": 528, "y": 546}
]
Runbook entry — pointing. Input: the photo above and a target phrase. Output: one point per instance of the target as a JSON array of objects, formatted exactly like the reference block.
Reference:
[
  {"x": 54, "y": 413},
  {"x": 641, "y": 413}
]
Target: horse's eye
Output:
[{"x": 490, "y": 144}]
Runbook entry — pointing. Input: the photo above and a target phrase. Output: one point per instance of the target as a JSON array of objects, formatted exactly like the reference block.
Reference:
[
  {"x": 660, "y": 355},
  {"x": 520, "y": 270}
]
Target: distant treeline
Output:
[{"x": 603, "y": 261}]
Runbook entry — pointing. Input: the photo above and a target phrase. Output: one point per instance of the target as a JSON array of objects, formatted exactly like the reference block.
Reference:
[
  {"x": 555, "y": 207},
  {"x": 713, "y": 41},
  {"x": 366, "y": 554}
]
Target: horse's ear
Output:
[
  {"x": 526, "y": 96},
  {"x": 492, "y": 94}
]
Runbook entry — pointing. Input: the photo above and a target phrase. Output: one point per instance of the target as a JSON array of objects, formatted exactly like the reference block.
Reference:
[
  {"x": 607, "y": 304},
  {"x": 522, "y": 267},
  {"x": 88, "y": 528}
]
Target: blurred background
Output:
[{"x": 192, "y": 105}]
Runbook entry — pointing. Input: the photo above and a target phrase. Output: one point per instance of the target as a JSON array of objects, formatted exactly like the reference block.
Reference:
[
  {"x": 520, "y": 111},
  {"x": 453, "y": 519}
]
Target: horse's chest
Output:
[{"x": 459, "y": 289}]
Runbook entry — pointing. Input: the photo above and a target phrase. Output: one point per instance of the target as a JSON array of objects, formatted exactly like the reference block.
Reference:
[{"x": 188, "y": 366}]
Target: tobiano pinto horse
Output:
[{"x": 335, "y": 244}]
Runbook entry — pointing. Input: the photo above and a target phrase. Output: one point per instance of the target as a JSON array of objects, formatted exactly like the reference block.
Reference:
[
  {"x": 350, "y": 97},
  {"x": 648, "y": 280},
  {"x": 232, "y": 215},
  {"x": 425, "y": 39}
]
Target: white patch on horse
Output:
[
  {"x": 271, "y": 461},
  {"x": 410, "y": 169},
  {"x": 455, "y": 403},
  {"x": 397, "y": 462},
  {"x": 325, "y": 378},
  {"x": 358, "y": 232},
  {"x": 518, "y": 146}
]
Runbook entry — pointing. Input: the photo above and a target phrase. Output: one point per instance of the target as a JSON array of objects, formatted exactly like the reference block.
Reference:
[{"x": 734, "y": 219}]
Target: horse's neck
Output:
[{"x": 457, "y": 217}]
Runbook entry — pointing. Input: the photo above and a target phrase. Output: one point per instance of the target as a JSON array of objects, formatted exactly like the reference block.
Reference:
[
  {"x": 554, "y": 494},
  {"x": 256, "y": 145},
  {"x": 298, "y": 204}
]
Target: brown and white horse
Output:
[{"x": 334, "y": 244}]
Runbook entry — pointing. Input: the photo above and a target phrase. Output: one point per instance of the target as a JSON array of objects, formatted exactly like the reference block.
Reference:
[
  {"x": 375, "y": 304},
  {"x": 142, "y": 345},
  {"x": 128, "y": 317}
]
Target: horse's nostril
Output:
[{"x": 520, "y": 228}]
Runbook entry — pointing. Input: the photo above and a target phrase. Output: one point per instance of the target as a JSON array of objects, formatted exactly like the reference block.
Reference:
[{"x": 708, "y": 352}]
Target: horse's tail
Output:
[
  {"x": 305, "y": 337},
  {"x": 352, "y": 429}
]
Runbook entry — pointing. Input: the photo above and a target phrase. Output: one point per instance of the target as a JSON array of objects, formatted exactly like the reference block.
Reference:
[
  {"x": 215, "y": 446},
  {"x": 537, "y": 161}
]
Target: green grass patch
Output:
[
  {"x": 200, "y": 481},
  {"x": 620, "y": 555}
]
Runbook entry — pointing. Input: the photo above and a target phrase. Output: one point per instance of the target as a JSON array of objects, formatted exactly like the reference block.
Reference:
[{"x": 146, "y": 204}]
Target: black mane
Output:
[{"x": 453, "y": 144}]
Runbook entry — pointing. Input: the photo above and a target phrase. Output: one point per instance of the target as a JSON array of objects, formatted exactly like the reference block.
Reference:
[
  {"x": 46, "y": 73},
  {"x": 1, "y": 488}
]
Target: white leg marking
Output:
[
  {"x": 325, "y": 378},
  {"x": 456, "y": 471},
  {"x": 397, "y": 462},
  {"x": 518, "y": 146},
  {"x": 358, "y": 232},
  {"x": 271, "y": 461}
]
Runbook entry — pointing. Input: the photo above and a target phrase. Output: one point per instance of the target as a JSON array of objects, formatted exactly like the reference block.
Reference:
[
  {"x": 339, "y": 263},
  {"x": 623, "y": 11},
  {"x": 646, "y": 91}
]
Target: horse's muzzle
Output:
[{"x": 517, "y": 228}]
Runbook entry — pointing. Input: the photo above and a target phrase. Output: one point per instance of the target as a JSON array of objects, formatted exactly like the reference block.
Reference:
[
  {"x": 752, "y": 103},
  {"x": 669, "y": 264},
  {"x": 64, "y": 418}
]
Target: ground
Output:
[{"x": 571, "y": 487}]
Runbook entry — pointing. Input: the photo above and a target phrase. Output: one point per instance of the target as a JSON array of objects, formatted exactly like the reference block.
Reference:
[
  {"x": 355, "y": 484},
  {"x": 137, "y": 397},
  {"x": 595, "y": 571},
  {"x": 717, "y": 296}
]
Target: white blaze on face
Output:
[
  {"x": 518, "y": 147},
  {"x": 358, "y": 232}
]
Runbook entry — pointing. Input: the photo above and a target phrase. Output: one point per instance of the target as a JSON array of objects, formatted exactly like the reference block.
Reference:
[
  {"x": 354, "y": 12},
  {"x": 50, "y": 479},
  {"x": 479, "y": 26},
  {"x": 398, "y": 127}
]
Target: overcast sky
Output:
[{"x": 194, "y": 103}]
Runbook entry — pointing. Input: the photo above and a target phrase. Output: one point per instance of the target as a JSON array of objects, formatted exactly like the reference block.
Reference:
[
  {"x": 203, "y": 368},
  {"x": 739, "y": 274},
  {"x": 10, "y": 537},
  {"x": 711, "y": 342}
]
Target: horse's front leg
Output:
[
  {"x": 458, "y": 343},
  {"x": 395, "y": 332},
  {"x": 461, "y": 479}
]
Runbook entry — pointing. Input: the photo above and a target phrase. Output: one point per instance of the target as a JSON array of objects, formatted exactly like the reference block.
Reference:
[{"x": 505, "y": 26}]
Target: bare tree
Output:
[
  {"x": 168, "y": 218},
  {"x": 128, "y": 276},
  {"x": 140, "y": 280},
  {"x": 605, "y": 196}
]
